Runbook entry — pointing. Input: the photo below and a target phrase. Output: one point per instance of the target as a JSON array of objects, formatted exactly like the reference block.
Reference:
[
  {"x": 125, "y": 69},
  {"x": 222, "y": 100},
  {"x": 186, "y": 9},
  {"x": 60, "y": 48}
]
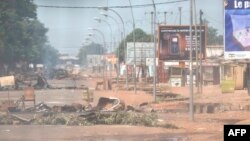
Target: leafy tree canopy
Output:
[
  {"x": 22, "y": 36},
  {"x": 140, "y": 36},
  {"x": 213, "y": 38}
]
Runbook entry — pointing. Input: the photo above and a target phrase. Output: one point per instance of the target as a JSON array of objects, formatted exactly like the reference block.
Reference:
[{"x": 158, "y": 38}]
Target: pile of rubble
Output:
[
  {"x": 82, "y": 119},
  {"x": 93, "y": 118},
  {"x": 38, "y": 80},
  {"x": 108, "y": 111}
]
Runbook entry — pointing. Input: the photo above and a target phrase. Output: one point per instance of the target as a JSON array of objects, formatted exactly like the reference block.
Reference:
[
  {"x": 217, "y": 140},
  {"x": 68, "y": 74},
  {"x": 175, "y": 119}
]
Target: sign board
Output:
[
  {"x": 175, "y": 82},
  {"x": 237, "y": 29},
  {"x": 95, "y": 60},
  {"x": 174, "y": 42},
  {"x": 188, "y": 79},
  {"x": 175, "y": 63},
  {"x": 7, "y": 81},
  {"x": 150, "y": 61},
  {"x": 39, "y": 65},
  {"x": 143, "y": 51},
  {"x": 210, "y": 64}
]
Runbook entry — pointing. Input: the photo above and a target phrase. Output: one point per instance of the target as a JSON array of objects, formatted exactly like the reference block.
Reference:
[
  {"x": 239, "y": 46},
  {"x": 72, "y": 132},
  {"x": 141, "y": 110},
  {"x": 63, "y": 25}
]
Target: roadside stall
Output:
[
  {"x": 176, "y": 78},
  {"x": 232, "y": 76},
  {"x": 211, "y": 72}
]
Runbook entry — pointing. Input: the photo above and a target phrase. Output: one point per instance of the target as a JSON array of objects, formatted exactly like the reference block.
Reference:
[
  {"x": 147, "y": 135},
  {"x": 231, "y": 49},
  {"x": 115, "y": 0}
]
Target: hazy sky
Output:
[{"x": 68, "y": 28}]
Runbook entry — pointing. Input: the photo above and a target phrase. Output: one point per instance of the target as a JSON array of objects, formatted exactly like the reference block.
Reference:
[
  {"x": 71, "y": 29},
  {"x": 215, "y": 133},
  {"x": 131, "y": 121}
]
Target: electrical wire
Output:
[
  {"x": 97, "y": 7},
  {"x": 213, "y": 19}
]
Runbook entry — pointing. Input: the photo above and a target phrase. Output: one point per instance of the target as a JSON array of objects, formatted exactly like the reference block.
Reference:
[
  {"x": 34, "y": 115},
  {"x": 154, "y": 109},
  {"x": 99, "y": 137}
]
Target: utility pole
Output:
[
  {"x": 153, "y": 22},
  {"x": 180, "y": 8},
  {"x": 152, "y": 18},
  {"x": 134, "y": 73},
  {"x": 122, "y": 37},
  {"x": 201, "y": 51},
  {"x": 155, "y": 69},
  {"x": 165, "y": 15},
  {"x": 223, "y": 3},
  {"x": 196, "y": 50},
  {"x": 152, "y": 26},
  {"x": 191, "y": 110}
]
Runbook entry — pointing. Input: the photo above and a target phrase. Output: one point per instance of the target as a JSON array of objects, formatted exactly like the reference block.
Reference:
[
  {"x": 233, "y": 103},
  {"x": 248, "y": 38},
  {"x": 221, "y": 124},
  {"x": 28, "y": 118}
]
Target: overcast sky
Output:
[{"x": 68, "y": 28}]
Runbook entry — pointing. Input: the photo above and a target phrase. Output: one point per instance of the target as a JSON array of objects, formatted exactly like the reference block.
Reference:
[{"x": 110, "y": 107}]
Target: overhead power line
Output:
[
  {"x": 96, "y": 7},
  {"x": 213, "y": 19}
]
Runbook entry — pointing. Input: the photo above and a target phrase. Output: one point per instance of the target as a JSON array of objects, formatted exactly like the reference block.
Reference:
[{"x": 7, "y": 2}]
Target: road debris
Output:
[
  {"x": 110, "y": 104},
  {"x": 143, "y": 107},
  {"x": 84, "y": 119}
]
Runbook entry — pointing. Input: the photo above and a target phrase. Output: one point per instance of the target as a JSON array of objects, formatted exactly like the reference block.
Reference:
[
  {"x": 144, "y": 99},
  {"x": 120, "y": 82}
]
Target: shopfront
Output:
[{"x": 211, "y": 73}]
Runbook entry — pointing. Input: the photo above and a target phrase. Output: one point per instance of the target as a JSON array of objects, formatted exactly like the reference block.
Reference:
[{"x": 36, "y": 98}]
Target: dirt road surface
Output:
[
  {"x": 91, "y": 133},
  {"x": 231, "y": 108}
]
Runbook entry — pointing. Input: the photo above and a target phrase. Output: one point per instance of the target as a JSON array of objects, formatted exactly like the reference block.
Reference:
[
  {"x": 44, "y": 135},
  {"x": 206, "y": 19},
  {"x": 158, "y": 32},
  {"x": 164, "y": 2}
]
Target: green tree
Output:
[
  {"x": 22, "y": 36},
  {"x": 90, "y": 49},
  {"x": 140, "y": 36},
  {"x": 213, "y": 38}
]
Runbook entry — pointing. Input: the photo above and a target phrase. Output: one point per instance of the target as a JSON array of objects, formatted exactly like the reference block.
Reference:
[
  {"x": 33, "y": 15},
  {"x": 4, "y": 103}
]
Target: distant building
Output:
[{"x": 67, "y": 62}]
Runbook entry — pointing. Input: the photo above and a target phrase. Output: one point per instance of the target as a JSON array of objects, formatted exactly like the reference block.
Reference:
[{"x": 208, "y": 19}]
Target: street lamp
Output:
[
  {"x": 100, "y": 32},
  {"x": 100, "y": 20},
  {"x": 91, "y": 35},
  {"x": 94, "y": 36},
  {"x": 85, "y": 43},
  {"x": 108, "y": 16},
  {"x": 87, "y": 39},
  {"x": 103, "y": 37},
  {"x": 111, "y": 33},
  {"x": 124, "y": 42},
  {"x": 118, "y": 51}
]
